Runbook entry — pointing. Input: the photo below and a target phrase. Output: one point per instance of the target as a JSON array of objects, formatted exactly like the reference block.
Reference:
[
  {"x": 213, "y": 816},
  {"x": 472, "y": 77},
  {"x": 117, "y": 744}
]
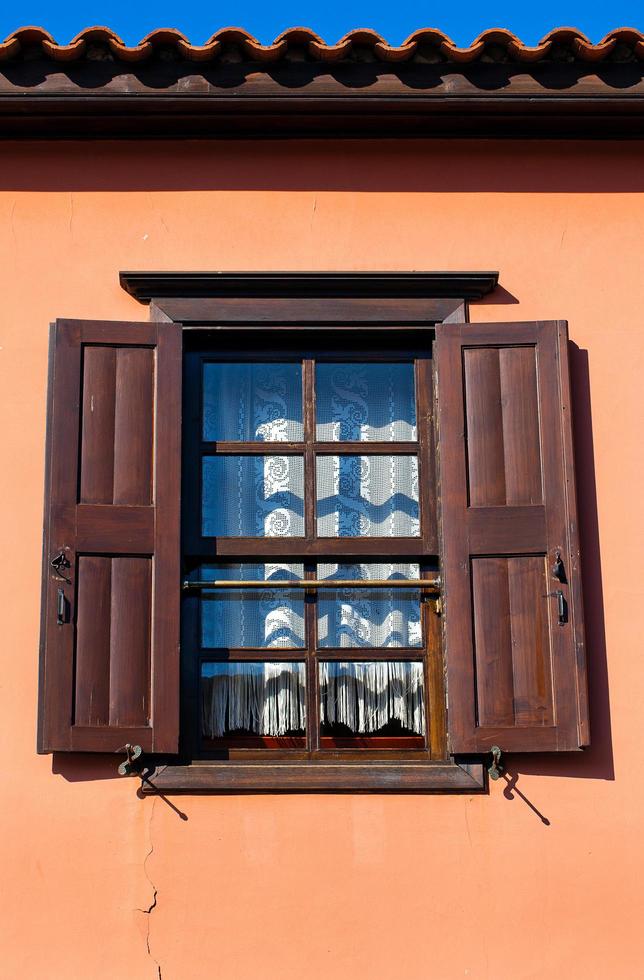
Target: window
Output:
[
  {"x": 240, "y": 500},
  {"x": 306, "y": 469}
]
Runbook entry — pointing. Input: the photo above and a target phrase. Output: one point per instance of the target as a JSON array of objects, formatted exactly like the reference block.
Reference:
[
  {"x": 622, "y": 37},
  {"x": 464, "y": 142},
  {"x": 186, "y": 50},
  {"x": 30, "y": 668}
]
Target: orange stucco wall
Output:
[{"x": 265, "y": 886}]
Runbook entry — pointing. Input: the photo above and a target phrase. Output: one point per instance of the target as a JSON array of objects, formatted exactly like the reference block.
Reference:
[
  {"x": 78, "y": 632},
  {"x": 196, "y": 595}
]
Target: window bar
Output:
[{"x": 429, "y": 584}]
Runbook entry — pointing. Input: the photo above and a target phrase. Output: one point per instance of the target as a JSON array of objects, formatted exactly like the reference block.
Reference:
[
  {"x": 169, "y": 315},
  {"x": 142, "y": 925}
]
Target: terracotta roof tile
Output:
[{"x": 565, "y": 43}]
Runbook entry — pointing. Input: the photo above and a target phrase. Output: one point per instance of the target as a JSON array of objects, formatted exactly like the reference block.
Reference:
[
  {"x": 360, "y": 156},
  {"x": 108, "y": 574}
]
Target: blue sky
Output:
[{"x": 330, "y": 18}]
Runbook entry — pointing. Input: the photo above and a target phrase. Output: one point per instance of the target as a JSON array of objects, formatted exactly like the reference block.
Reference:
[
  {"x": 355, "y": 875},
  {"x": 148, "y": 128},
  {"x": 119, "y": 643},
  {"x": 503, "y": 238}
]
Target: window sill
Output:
[{"x": 443, "y": 777}]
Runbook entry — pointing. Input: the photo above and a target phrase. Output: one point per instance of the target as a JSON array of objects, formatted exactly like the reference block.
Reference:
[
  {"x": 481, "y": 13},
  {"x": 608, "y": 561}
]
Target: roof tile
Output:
[{"x": 622, "y": 43}]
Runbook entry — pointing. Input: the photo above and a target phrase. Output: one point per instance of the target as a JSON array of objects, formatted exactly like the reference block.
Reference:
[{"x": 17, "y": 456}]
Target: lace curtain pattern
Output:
[
  {"x": 367, "y": 496},
  {"x": 253, "y": 496},
  {"x": 260, "y": 698},
  {"x": 366, "y": 697},
  {"x": 235, "y": 618},
  {"x": 369, "y": 618},
  {"x": 366, "y": 402},
  {"x": 252, "y": 402}
]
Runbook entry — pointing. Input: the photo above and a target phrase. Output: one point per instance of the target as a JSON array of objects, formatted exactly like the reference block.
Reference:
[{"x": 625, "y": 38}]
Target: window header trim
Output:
[{"x": 151, "y": 286}]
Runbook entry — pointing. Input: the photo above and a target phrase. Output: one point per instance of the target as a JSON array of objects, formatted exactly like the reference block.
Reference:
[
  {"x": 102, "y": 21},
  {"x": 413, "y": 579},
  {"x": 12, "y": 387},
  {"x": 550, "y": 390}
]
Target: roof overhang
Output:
[{"x": 164, "y": 87}]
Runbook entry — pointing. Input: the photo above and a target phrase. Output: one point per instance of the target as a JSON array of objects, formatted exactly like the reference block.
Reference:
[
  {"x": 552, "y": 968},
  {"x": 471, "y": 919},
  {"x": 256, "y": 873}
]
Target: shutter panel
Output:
[
  {"x": 109, "y": 672},
  {"x": 516, "y": 676}
]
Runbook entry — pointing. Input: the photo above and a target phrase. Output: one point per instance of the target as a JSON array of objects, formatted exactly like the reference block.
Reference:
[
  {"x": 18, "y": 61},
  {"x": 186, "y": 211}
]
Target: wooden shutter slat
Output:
[
  {"x": 516, "y": 677},
  {"x": 110, "y": 674}
]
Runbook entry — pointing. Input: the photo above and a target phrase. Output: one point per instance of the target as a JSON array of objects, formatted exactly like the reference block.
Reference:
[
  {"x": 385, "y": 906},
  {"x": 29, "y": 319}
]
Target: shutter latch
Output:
[
  {"x": 132, "y": 763},
  {"x": 558, "y": 570},
  {"x": 59, "y": 562},
  {"x": 496, "y": 769}
]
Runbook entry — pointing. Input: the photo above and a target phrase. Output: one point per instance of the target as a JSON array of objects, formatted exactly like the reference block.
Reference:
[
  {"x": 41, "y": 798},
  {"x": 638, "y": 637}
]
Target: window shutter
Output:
[
  {"x": 109, "y": 669},
  {"x": 514, "y": 635}
]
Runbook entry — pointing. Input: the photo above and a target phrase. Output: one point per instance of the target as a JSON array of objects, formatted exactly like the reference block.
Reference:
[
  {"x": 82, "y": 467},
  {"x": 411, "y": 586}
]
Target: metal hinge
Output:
[
  {"x": 495, "y": 770},
  {"x": 132, "y": 764}
]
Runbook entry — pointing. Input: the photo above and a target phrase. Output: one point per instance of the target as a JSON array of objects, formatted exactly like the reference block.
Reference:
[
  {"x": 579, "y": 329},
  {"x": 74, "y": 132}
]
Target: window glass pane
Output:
[
  {"x": 252, "y": 402},
  {"x": 252, "y": 617},
  {"x": 253, "y": 496},
  {"x": 253, "y": 699},
  {"x": 377, "y": 698},
  {"x": 369, "y": 402},
  {"x": 367, "y": 496},
  {"x": 366, "y": 617}
]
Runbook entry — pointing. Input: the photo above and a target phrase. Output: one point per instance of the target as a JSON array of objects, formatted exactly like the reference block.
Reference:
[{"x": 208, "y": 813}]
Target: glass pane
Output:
[
  {"x": 252, "y": 402},
  {"x": 369, "y": 617},
  {"x": 253, "y": 699},
  {"x": 367, "y": 496},
  {"x": 377, "y": 698},
  {"x": 368, "y": 402},
  {"x": 253, "y": 496},
  {"x": 252, "y": 618}
]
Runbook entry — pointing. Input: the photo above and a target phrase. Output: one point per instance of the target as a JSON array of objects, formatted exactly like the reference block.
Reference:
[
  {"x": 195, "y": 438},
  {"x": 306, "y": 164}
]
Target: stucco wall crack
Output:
[{"x": 153, "y": 904}]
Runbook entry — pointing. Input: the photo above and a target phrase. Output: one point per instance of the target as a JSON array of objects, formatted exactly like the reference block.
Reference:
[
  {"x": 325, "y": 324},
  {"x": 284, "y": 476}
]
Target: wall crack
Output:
[{"x": 153, "y": 904}]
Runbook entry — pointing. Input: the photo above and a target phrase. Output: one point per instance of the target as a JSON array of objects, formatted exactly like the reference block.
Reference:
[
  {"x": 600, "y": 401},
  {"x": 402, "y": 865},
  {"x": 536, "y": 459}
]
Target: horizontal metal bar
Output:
[{"x": 331, "y": 583}]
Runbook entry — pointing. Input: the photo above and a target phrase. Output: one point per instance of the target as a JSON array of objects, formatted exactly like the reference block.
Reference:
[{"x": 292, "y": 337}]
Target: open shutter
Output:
[
  {"x": 514, "y": 638},
  {"x": 109, "y": 670}
]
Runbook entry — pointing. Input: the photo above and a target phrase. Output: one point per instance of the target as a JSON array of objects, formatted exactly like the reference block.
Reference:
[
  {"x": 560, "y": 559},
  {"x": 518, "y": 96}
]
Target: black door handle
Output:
[
  {"x": 562, "y": 605},
  {"x": 61, "y": 608}
]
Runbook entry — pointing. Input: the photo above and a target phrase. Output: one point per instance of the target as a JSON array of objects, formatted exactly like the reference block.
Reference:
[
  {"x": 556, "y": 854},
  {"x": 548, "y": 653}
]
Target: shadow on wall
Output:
[
  {"x": 595, "y": 762},
  {"x": 354, "y": 166}
]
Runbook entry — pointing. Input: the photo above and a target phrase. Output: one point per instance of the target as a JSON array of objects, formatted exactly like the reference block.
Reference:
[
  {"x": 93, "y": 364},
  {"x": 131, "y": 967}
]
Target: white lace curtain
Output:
[
  {"x": 262, "y": 698},
  {"x": 366, "y": 697},
  {"x": 270, "y": 698}
]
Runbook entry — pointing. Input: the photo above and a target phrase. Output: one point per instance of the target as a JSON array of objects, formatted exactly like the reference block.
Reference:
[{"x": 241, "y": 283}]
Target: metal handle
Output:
[
  {"x": 430, "y": 584},
  {"x": 61, "y": 608},
  {"x": 562, "y": 606}
]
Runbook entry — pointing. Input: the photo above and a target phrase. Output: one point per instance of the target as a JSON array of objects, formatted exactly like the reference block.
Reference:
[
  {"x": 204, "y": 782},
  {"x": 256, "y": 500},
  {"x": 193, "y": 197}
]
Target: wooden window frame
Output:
[{"x": 406, "y": 307}]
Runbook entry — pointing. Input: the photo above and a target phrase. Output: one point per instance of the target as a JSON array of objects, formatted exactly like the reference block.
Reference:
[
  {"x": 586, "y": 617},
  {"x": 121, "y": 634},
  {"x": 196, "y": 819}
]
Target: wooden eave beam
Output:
[{"x": 41, "y": 98}]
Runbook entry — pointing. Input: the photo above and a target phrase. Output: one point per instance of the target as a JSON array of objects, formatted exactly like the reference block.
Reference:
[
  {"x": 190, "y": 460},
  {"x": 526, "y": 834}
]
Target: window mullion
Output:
[
  {"x": 313, "y": 698},
  {"x": 308, "y": 394}
]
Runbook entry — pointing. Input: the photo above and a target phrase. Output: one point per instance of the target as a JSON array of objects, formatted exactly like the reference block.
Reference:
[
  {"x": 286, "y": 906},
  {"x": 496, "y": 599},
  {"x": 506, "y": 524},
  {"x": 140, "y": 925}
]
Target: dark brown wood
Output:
[
  {"x": 93, "y": 623},
  {"x": 344, "y": 314},
  {"x": 240, "y": 96},
  {"x": 321, "y": 448},
  {"x": 426, "y": 454},
  {"x": 308, "y": 776},
  {"x": 300, "y": 547},
  {"x": 435, "y": 680},
  {"x": 366, "y": 287},
  {"x": 109, "y": 673},
  {"x": 516, "y": 677}
]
